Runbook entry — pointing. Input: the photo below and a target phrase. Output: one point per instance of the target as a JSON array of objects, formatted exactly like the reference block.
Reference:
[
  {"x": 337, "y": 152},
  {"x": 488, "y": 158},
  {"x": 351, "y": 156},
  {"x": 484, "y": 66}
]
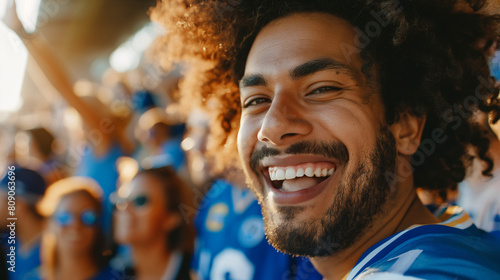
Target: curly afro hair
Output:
[{"x": 430, "y": 56}]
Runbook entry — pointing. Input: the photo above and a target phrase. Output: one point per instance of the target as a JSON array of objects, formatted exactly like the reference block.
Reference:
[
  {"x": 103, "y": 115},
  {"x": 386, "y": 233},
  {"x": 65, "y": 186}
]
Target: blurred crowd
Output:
[
  {"x": 120, "y": 187},
  {"x": 141, "y": 199}
]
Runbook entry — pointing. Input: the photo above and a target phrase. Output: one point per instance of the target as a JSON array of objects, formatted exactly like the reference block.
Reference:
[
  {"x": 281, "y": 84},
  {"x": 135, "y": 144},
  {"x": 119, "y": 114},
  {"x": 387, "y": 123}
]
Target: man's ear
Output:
[{"x": 408, "y": 132}]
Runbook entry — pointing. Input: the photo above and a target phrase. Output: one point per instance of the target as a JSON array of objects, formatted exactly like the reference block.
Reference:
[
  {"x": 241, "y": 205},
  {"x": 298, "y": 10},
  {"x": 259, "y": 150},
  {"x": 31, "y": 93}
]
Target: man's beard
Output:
[{"x": 361, "y": 196}]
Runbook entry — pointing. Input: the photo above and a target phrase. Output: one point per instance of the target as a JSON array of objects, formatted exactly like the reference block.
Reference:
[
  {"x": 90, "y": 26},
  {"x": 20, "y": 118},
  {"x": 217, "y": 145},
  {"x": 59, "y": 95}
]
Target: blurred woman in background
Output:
[
  {"x": 72, "y": 244},
  {"x": 151, "y": 217}
]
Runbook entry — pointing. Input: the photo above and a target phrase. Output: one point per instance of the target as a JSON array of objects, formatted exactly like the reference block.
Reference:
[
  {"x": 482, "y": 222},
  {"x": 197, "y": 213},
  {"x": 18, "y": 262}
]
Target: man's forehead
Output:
[{"x": 296, "y": 39}]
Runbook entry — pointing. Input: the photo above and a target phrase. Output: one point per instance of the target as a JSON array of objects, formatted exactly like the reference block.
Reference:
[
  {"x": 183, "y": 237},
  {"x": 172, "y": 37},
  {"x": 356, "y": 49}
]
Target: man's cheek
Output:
[{"x": 247, "y": 137}]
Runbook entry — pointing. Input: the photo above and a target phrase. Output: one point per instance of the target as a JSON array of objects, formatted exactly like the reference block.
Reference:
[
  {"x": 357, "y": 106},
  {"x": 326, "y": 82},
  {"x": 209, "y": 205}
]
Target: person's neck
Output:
[
  {"x": 150, "y": 260},
  {"x": 78, "y": 267},
  {"x": 29, "y": 230},
  {"x": 404, "y": 211}
]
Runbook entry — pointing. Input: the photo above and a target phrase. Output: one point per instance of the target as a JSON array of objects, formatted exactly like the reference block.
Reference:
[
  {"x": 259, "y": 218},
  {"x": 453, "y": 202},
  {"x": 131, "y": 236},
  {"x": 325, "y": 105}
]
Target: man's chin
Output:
[
  {"x": 288, "y": 233},
  {"x": 300, "y": 241}
]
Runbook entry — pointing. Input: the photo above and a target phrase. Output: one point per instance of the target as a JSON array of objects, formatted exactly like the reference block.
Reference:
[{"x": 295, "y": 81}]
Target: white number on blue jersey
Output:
[{"x": 233, "y": 263}]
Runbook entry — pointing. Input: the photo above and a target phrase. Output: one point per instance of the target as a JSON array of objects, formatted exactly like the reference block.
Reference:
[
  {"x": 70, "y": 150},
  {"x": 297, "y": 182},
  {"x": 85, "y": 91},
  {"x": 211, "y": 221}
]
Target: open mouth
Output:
[{"x": 299, "y": 177}]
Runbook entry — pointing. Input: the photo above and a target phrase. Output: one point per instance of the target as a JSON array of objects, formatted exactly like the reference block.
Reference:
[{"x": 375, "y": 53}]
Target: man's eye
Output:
[
  {"x": 324, "y": 89},
  {"x": 256, "y": 101}
]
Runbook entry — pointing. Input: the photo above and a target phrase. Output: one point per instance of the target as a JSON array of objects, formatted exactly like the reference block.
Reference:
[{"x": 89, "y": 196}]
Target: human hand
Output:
[{"x": 11, "y": 19}]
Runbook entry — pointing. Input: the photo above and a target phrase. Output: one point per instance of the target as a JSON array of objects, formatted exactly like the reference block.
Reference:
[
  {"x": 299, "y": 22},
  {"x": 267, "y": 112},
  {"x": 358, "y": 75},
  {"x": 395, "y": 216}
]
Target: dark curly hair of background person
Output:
[{"x": 429, "y": 56}]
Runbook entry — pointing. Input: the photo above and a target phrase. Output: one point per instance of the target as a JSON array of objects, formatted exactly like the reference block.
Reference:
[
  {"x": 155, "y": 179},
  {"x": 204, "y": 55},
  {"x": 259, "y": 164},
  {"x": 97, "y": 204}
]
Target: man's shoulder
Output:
[
  {"x": 439, "y": 250},
  {"x": 449, "y": 250}
]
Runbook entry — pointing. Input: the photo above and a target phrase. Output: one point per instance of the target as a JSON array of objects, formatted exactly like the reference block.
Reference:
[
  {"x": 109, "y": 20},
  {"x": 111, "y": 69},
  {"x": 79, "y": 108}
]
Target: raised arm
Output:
[{"x": 57, "y": 75}]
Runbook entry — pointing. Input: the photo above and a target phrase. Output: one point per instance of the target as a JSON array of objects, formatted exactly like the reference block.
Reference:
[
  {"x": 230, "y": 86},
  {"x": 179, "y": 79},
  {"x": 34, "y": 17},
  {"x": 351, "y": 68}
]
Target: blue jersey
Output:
[
  {"x": 454, "y": 249},
  {"x": 231, "y": 243}
]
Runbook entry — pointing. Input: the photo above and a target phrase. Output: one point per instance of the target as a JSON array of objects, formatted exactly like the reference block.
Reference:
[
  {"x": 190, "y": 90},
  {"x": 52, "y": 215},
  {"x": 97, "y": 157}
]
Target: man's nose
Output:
[{"x": 284, "y": 122}]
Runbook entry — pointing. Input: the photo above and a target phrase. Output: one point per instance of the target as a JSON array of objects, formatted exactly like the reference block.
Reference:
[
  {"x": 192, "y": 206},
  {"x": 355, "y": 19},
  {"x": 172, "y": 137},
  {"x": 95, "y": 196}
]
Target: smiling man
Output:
[
  {"x": 314, "y": 140},
  {"x": 339, "y": 110}
]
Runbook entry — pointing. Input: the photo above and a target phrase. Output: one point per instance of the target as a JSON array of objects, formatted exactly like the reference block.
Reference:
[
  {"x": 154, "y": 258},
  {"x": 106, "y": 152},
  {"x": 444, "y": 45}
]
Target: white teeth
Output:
[
  {"x": 309, "y": 172},
  {"x": 272, "y": 174},
  {"x": 290, "y": 173},
  {"x": 300, "y": 172},
  {"x": 317, "y": 173},
  {"x": 280, "y": 174}
]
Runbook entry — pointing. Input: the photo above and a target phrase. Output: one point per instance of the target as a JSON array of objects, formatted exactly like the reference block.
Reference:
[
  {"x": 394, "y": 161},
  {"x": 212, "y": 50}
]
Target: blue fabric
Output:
[
  {"x": 436, "y": 252},
  {"x": 232, "y": 242},
  {"x": 27, "y": 264},
  {"x": 102, "y": 169},
  {"x": 176, "y": 155},
  {"x": 496, "y": 234},
  {"x": 107, "y": 273},
  {"x": 142, "y": 101},
  {"x": 171, "y": 155}
]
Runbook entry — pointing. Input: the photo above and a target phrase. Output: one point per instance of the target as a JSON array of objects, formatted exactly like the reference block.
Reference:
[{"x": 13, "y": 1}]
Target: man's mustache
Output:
[{"x": 333, "y": 149}]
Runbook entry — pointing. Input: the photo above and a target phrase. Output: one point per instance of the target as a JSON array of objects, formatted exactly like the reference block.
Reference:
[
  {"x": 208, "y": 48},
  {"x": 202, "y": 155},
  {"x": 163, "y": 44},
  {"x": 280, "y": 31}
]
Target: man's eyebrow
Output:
[
  {"x": 253, "y": 80},
  {"x": 320, "y": 64},
  {"x": 301, "y": 71}
]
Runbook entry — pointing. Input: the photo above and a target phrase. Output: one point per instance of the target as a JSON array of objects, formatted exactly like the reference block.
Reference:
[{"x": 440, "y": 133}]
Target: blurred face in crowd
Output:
[
  {"x": 75, "y": 224},
  {"x": 313, "y": 138},
  {"x": 141, "y": 212},
  {"x": 195, "y": 146},
  {"x": 22, "y": 147}
]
